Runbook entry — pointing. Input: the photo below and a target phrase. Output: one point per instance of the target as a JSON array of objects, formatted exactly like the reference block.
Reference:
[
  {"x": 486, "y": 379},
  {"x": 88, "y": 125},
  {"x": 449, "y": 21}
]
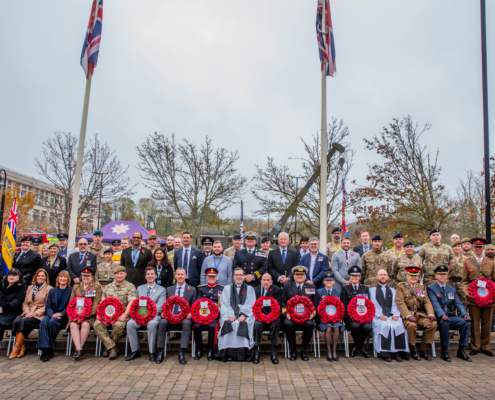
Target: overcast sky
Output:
[{"x": 246, "y": 74}]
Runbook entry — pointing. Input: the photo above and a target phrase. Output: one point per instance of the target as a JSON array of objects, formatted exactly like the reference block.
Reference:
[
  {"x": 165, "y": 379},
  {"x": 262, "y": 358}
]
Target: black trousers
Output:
[
  {"x": 166, "y": 326},
  {"x": 290, "y": 328},
  {"x": 25, "y": 325},
  {"x": 273, "y": 327},
  {"x": 211, "y": 328},
  {"x": 359, "y": 332}
]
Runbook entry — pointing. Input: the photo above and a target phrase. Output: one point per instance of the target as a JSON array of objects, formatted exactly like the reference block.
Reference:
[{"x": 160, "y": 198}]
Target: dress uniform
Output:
[
  {"x": 27, "y": 262},
  {"x": 359, "y": 332},
  {"x": 445, "y": 302},
  {"x": 373, "y": 261},
  {"x": 290, "y": 290},
  {"x": 213, "y": 293},
  {"x": 432, "y": 255},
  {"x": 206, "y": 241},
  {"x": 64, "y": 251},
  {"x": 416, "y": 310},
  {"x": 252, "y": 261}
]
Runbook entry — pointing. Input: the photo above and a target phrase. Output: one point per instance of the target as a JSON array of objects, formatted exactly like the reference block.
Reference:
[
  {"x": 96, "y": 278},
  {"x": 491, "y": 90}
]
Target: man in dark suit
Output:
[
  {"x": 26, "y": 260},
  {"x": 53, "y": 263},
  {"x": 79, "y": 261},
  {"x": 365, "y": 244},
  {"x": 282, "y": 260},
  {"x": 298, "y": 288},
  {"x": 253, "y": 262},
  {"x": 188, "y": 292},
  {"x": 316, "y": 263},
  {"x": 267, "y": 289},
  {"x": 190, "y": 259},
  {"x": 359, "y": 332},
  {"x": 135, "y": 259}
]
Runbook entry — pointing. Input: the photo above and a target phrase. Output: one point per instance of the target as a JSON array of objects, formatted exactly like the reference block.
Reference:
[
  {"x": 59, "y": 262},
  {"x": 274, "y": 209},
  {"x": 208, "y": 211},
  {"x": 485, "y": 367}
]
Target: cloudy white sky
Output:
[{"x": 246, "y": 74}]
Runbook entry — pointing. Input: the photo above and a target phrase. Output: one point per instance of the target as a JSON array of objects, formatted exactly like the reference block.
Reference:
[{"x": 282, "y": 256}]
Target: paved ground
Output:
[{"x": 100, "y": 378}]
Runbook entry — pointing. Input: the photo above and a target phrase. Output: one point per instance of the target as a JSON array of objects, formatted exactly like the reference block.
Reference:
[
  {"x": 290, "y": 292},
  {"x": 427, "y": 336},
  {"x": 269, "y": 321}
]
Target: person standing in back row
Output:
[
  {"x": 281, "y": 261},
  {"x": 135, "y": 259},
  {"x": 189, "y": 258}
]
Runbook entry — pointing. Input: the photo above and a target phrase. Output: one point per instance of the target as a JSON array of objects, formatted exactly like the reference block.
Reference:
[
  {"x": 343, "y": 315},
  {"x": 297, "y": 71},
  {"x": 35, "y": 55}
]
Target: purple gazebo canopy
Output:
[{"x": 119, "y": 229}]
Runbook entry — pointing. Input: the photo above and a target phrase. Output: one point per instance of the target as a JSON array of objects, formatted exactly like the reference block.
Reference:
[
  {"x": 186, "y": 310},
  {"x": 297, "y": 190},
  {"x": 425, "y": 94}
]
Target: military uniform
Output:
[
  {"x": 98, "y": 252},
  {"x": 104, "y": 273},
  {"x": 455, "y": 277},
  {"x": 126, "y": 293},
  {"x": 432, "y": 255},
  {"x": 93, "y": 292},
  {"x": 255, "y": 264},
  {"x": 332, "y": 248},
  {"x": 230, "y": 253},
  {"x": 170, "y": 256},
  {"x": 400, "y": 265},
  {"x": 212, "y": 293},
  {"x": 373, "y": 261}
]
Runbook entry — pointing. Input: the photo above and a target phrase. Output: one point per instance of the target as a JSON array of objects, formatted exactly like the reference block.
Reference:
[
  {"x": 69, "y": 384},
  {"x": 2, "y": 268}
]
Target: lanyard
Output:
[
  {"x": 395, "y": 255},
  {"x": 134, "y": 254},
  {"x": 219, "y": 261}
]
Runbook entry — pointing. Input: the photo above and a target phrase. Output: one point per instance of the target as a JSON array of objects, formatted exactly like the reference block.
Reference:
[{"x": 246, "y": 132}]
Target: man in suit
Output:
[
  {"x": 53, "y": 263},
  {"x": 252, "y": 261},
  {"x": 188, "y": 292},
  {"x": 365, "y": 245},
  {"x": 359, "y": 332},
  {"x": 298, "y": 288},
  {"x": 135, "y": 259},
  {"x": 190, "y": 259},
  {"x": 156, "y": 293},
  {"x": 341, "y": 261},
  {"x": 26, "y": 260},
  {"x": 445, "y": 302},
  {"x": 267, "y": 289},
  {"x": 282, "y": 260},
  {"x": 316, "y": 263},
  {"x": 80, "y": 260},
  {"x": 62, "y": 241},
  {"x": 304, "y": 247}
]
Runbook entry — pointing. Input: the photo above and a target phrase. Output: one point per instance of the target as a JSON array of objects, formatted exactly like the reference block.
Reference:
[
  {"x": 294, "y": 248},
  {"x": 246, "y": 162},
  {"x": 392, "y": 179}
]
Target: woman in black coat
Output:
[
  {"x": 53, "y": 264},
  {"x": 12, "y": 294},
  {"x": 164, "y": 269}
]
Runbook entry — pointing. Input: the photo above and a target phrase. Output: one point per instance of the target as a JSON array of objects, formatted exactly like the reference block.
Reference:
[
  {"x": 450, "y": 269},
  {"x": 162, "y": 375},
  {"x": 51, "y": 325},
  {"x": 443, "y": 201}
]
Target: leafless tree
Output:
[{"x": 470, "y": 219}]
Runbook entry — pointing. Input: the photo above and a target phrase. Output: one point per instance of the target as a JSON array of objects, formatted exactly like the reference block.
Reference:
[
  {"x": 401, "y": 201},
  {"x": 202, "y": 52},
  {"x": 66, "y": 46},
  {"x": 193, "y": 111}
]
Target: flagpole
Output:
[{"x": 323, "y": 168}]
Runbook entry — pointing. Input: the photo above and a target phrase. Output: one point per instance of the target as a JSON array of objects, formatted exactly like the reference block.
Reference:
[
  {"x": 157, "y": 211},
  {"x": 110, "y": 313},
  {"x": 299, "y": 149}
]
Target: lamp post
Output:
[
  {"x": 2, "y": 205},
  {"x": 297, "y": 185},
  {"x": 101, "y": 190}
]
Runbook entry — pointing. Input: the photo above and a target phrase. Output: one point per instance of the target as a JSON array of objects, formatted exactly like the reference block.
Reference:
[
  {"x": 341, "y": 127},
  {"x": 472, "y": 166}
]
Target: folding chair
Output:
[
  {"x": 145, "y": 330},
  {"x": 193, "y": 346},
  {"x": 284, "y": 344},
  {"x": 68, "y": 348},
  {"x": 311, "y": 344}
]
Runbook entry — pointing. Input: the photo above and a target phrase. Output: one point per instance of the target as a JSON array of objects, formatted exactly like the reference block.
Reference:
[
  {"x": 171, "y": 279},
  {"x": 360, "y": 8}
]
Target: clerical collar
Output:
[{"x": 238, "y": 286}]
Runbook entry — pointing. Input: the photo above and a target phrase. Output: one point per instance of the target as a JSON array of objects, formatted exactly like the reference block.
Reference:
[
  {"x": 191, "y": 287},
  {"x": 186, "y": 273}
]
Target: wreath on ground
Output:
[
  {"x": 331, "y": 310},
  {"x": 274, "y": 310},
  {"x": 294, "y": 308},
  {"x": 78, "y": 314},
  {"x": 362, "y": 314},
  {"x": 202, "y": 313},
  {"x": 110, "y": 310},
  {"x": 175, "y": 319},
  {"x": 483, "y": 296},
  {"x": 143, "y": 314}
]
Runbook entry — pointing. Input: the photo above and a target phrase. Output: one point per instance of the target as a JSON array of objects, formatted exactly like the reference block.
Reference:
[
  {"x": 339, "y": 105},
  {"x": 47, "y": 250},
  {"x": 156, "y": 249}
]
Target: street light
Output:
[
  {"x": 101, "y": 190},
  {"x": 297, "y": 182},
  {"x": 2, "y": 205}
]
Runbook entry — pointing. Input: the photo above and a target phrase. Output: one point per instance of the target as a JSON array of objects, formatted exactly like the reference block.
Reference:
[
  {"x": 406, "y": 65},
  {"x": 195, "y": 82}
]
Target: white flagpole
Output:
[{"x": 323, "y": 170}]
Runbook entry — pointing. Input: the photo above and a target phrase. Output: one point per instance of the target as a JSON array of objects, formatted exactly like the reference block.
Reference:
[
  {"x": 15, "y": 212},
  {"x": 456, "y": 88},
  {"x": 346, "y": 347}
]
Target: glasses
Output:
[
  {"x": 314, "y": 244},
  {"x": 138, "y": 237},
  {"x": 83, "y": 244}
]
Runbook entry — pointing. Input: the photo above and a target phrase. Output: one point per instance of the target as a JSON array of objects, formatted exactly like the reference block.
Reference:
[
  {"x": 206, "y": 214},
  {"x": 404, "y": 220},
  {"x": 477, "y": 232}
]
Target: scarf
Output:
[{"x": 36, "y": 289}]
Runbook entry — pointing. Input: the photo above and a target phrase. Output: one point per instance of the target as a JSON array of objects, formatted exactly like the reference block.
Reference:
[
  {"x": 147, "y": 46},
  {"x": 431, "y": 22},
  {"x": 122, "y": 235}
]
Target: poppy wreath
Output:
[
  {"x": 338, "y": 316},
  {"x": 72, "y": 311},
  {"x": 175, "y": 319},
  {"x": 365, "y": 318},
  {"x": 308, "y": 309},
  {"x": 109, "y": 310},
  {"x": 474, "y": 292},
  {"x": 143, "y": 319},
  {"x": 266, "y": 318},
  {"x": 204, "y": 319}
]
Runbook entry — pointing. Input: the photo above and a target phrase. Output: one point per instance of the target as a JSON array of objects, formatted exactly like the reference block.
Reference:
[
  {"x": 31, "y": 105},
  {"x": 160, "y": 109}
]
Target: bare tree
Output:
[
  {"x": 58, "y": 167},
  {"x": 196, "y": 182},
  {"x": 275, "y": 190},
  {"x": 470, "y": 219}
]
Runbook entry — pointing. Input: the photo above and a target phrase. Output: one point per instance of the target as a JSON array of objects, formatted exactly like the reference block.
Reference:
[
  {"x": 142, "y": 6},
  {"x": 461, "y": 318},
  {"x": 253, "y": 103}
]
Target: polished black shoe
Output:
[
  {"x": 473, "y": 352},
  {"x": 364, "y": 353},
  {"x": 462, "y": 355},
  {"x": 329, "y": 358},
  {"x": 198, "y": 355},
  {"x": 159, "y": 356},
  {"x": 274, "y": 359},
  {"x": 488, "y": 353},
  {"x": 176, "y": 336},
  {"x": 293, "y": 356},
  {"x": 210, "y": 355},
  {"x": 398, "y": 358},
  {"x": 43, "y": 354},
  {"x": 256, "y": 359},
  {"x": 387, "y": 359},
  {"x": 152, "y": 357},
  {"x": 182, "y": 357},
  {"x": 336, "y": 358},
  {"x": 304, "y": 356},
  {"x": 414, "y": 353},
  {"x": 133, "y": 355},
  {"x": 79, "y": 354},
  {"x": 353, "y": 351},
  {"x": 444, "y": 355},
  {"x": 406, "y": 355},
  {"x": 424, "y": 354}
]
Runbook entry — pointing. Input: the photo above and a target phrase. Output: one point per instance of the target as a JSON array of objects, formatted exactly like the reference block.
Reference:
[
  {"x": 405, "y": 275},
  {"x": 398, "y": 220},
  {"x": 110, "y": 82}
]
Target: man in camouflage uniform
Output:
[
  {"x": 375, "y": 260},
  {"x": 406, "y": 259},
  {"x": 335, "y": 245},
  {"x": 97, "y": 247},
  {"x": 394, "y": 253},
  {"x": 467, "y": 250},
  {"x": 435, "y": 253},
  {"x": 126, "y": 293},
  {"x": 236, "y": 241},
  {"x": 455, "y": 276},
  {"x": 104, "y": 272}
]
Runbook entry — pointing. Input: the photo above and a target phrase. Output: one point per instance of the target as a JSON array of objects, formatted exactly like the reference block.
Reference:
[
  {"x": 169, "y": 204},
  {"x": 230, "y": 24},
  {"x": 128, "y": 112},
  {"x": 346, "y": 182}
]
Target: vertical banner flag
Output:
[
  {"x": 324, "y": 34},
  {"x": 91, "y": 46},
  {"x": 344, "y": 195},
  {"x": 8, "y": 246},
  {"x": 242, "y": 224}
]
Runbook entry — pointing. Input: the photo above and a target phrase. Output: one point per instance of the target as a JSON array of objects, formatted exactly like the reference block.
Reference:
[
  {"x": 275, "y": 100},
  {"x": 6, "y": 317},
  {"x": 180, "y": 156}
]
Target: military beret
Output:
[
  {"x": 54, "y": 244},
  {"x": 25, "y": 239},
  {"x": 455, "y": 243},
  {"x": 434, "y": 230},
  {"x": 490, "y": 247},
  {"x": 152, "y": 236},
  {"x": 62, "y": 236},
  {"x": 376, "y": 237},
  {"x": 98, "y": 233},
  {"x": 109, "y": 250},
  {"x": 409, "y": 243},
  {"x": 120, "y": 268},
  {"x": 207, "y": 240},
  {"x": 478, "y": 242},
  {"x": 329, "y": 276},
  {"x": 413, "y": 269},
  {"x": 398, "y": 236},
  {"x": 37, "y": 241},
  {"x": 299, "y": 270},
  {"x": 88, "y": 271},
  {"x": 354, "y": 270},
  {"x": 237, "y": 236},
  {"x": 116, "y": 242},
  {"x": 466, "y": 240},
  {"x": 211, "y": 271},
  {"x": 441, "y": 269},
  {"x": 264, "y": 239},
  {"x": 337, "y": 229}
]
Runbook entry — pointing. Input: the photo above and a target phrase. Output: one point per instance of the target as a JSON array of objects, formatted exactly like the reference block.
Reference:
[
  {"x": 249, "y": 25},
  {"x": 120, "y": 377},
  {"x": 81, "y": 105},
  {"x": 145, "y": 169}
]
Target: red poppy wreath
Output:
[
  {"x": 110, "y": 310},
  {"x": 143, "y": 314},
  {"x": 295, "y": 308},
  {"x": 331, "y": 310},
  {"x": 78, "y": 314},
  {"x": 483, "y": 296},
  {"x": 362, "y": 314},
  {"x": 204, "y": 315},
  {"x": 274, "y": 310},
  {"x": 175, "y": 319}
]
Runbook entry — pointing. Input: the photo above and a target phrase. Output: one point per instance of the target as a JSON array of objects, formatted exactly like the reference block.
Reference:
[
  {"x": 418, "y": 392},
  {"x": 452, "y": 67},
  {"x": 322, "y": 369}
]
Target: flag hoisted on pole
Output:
[
  {"x": 8, "y": 245},
  {"x": 89, "y": 59},
  {"x": 242, "y": 224},
  {"x": 344, "y": 199},
  {"x": 326, "y": 48}
]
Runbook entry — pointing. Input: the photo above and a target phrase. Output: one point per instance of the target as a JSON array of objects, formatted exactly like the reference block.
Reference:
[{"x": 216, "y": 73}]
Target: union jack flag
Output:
[
  {"x": 91, "y": 46},
  {"x": 326, "y": 43},
  {"x": 344, "y": 199},
  {"x": 12, "y": 221}
]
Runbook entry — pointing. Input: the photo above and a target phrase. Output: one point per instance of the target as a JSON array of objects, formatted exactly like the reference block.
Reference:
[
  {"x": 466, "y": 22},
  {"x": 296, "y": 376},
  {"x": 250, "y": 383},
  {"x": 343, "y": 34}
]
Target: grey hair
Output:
[
  {"x": 283, "y": 234},
  {"x": 314, "y": 238}
]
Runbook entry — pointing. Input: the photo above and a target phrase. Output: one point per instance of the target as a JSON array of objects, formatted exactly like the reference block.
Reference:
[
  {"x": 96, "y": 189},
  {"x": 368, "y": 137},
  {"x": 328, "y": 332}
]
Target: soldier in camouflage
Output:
[
  {"x": 236, "y": 241},
  {"x": 455, "y": 276},
  {"x": 335, "y": 245},
  {"x": 375, "y": 260},
  {"x": 467, "y": 248},
  {"x": 435, "y": 253},
  {"x": 406, "y": 259},
  {"x": 126, "y": 293},
  {"x": 97, "y": 247},
  {"x": 394, "y": 253},
  {"x": 104, "y": 272}
]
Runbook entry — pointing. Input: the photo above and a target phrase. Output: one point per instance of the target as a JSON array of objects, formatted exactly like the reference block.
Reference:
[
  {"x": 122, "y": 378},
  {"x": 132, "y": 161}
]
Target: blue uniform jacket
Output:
[
  {"x": 442, "y": 303},
  {"x": 320, "y": 269}
]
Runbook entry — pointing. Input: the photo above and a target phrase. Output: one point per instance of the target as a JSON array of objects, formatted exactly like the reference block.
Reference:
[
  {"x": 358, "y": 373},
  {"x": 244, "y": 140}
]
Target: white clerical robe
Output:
[
  {"x": 231, "y": 340},
  {"x": 388, "y": 327}
]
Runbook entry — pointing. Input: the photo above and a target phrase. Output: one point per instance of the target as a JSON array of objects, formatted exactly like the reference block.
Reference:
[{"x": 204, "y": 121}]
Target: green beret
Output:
[{"x": 120, "y": 268}]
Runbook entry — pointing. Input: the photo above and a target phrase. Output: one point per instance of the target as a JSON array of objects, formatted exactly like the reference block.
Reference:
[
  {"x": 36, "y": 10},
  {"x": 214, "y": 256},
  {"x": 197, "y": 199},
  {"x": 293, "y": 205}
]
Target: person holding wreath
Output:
[
  {"x": 164, "y": 268},
  {"x": 332, "y": 330},
  {"x": 125, "y": 292},
  {"x": 80, "y": 330},
  {"x": 12, "y": 295}
]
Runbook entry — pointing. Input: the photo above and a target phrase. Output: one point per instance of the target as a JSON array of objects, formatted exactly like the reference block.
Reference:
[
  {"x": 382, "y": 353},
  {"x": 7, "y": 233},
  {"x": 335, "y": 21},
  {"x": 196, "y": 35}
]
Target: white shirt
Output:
[
  {"x": 304, "y": 252},
  {"x": 250, "y": 251},
  {"x": 282, "y": 251},
  {"x": 479, "y": 260}
]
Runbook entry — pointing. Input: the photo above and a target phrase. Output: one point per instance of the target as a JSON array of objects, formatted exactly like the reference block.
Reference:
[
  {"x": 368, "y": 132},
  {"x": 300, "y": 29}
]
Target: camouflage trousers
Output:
[
  {"x": 427, "y": 282},
  {"x": 110, "y": 341},
  {"x": 456, "y": 283},
  {"x": 370, "y": 282}
]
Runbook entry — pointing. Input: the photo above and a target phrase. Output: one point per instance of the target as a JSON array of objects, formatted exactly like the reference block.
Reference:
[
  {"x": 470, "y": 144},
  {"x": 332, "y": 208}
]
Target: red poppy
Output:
[
  {"x": 336, "y": 306},
  {"x": 175, "y": 319},
  {"x": 110, "y": 310},
  {"x": 360, "y": 317},
  {"x": 483, "y": 297},
  {"x": 274, "y": 310},
  {"x": 77, "y": 314},
  {"x": 151, "y": 311},
  {"x": 300, "y": 301},
  {"x": 204, "y": 319}
]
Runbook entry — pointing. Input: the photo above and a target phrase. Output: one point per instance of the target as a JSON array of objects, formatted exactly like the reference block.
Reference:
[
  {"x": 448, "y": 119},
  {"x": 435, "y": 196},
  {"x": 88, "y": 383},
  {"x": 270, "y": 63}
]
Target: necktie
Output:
[
  {"x": 186, "y": 259},
  {"x": 355, "y": 288},
  {"x": 329, "y": 291},
  {"x": 149, "y": 292},
  {"x": 346, "y": 256},
  {"x": 443, "y": 289},
  {"x": 176, "y": 307},
  {"x": 283, "y": 256},
  {"x": 81, "y": 257}
]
